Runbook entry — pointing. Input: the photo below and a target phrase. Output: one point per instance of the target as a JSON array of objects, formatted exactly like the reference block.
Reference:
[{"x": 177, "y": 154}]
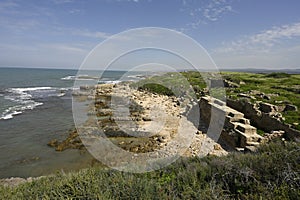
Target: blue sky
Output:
[{"x": 236, "y": 33}]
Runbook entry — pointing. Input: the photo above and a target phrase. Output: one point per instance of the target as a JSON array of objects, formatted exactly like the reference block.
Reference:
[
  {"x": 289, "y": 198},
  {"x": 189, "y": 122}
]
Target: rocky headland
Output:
[{"x": 140, "y": 121}]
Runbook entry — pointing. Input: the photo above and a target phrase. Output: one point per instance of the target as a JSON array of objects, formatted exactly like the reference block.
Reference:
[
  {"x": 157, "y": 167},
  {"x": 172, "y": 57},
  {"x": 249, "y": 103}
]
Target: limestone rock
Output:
[
  {"x": 230, "y": 84},
  {"x": 246, "y": 96},
  {"x": 250, "y": 149},
  {"x": 53, "y": 143},
  {"x": 217, "y": 147}
]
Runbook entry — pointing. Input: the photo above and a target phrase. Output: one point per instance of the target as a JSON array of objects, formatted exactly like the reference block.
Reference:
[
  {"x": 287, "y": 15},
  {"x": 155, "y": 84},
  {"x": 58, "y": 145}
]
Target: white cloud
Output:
[
  {"x": 62, "y": 1},
  {"x": 263, "y": 41},
  {"x": 75, "y": 11},
  {"x": 87, "y": 33},
  {"x": 214, "y": 12},
  {"x": 9, "y": 7},
  {"x": 7, "y": 4},
  {"x": 277, "y": 47},
  {"x": 18, "y": 25},
  {"x": 272, "y": 36},
  {"x": 135, "y": 1},
  {"x": 203, "y": 12},
  {"x": 66, "y": 48}
]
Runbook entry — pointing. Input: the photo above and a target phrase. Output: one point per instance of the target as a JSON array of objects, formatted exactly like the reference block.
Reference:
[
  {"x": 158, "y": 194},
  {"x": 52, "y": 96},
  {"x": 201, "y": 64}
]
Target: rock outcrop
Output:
[
  {"x": 71, "y": 142},
  {"x": 139, "y": 121}
]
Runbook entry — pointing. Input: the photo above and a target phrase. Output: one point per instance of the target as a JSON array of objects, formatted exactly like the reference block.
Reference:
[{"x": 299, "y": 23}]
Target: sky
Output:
[{"x": 261, "y": 34}]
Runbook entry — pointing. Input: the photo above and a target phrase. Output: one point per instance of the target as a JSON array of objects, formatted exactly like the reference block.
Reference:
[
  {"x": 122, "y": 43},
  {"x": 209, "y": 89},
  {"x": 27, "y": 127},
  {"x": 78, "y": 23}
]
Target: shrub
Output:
[
  {"x": 271, "y": 173},
  {"x": 278, "y": 75},
  {"x": 156, "y": 88}
]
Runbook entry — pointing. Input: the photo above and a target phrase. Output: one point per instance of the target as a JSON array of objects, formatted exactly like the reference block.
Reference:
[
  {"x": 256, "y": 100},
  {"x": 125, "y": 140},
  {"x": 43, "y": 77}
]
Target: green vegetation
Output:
[
  {"x": 271, "y": 173},
  {"x": 277, "y": 88},
  {"x": 156, "y": 88},
  {"x": 171, "y": 84},
  {"x": 278, "y": 75},
  {"x": 260, "y": 132},
  {"x": 195, "y": 79}
]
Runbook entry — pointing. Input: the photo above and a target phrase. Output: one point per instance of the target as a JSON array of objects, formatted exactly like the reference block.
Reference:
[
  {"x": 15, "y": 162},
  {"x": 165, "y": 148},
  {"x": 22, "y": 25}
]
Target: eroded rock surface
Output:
[{"x": 140, "y": 122}]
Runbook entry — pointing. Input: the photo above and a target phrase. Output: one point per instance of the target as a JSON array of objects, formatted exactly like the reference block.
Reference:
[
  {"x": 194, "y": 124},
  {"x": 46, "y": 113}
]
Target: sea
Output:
[{"x": 36, "y": 107}]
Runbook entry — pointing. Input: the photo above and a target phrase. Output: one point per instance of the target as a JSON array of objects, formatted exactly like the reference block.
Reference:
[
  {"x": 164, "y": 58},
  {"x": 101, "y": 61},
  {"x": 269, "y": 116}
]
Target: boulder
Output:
[
  {"x": 290, "y": 107},
  {"x": 246, "y": 96},
  {"x": 230, "y": 84},
  {"x": 217, "y": 147},
  {"x": 268, "y": 108},
  {"x": 250, "y": 149},
  {"x": 266, "y": 97},
  {"x": 53, "y": 143}
]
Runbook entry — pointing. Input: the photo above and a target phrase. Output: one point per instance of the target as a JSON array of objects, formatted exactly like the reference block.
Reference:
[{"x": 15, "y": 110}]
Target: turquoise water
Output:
[{"x": 35, "y": 107}]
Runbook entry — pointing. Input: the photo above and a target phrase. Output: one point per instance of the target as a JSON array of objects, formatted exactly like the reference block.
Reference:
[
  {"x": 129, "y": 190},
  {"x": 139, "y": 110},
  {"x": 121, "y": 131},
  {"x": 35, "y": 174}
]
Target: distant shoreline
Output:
[{"x": 249, "y": 70}]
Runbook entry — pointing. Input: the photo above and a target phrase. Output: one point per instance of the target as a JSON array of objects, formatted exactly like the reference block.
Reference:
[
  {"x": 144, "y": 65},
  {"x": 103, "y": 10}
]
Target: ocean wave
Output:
[
  {"x": 69, "y": 78},
  {"x": 29, "y": 89},
  {"x": 10, "y": 115},
  {"x": 19, "y": 109},
  {"x": 82, "y": 77},
  {"x": 28, "y": 98},
  {"x": 137, "y": 76},
  {"x": 109, "y": 82}
]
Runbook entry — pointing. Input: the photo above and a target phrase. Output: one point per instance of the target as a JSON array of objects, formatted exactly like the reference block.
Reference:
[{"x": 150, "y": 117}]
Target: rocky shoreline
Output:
[
  {"x": 147, "y": 112},
  {"x": 152, "y": 121}
]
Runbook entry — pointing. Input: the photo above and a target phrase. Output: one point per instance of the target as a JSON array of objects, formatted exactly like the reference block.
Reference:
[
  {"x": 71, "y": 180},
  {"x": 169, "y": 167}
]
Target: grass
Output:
[
  {"x": 281, "y": 87},
  {"x": 278, "y": 75},
  {"x": 156, "y": 88},
  {"x": 271, "y": 173}
]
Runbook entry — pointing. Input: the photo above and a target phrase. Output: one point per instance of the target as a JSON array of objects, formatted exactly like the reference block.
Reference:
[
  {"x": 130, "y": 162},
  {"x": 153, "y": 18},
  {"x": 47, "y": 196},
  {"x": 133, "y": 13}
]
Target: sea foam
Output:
[{"x": 24, "y": 99}]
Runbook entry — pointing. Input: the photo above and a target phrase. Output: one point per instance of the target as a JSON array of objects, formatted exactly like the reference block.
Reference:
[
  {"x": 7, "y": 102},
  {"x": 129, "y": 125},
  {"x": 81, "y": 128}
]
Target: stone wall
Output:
[{"x": 263, "y": 117}]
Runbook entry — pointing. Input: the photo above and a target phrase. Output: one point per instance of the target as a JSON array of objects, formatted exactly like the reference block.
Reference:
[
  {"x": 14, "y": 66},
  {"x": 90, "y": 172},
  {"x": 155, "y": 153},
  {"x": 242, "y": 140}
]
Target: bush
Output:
[
  {"x": 156, "y": 88},
  {"x": 271, "y": 173},
  {"x": 278, "y": 75}
]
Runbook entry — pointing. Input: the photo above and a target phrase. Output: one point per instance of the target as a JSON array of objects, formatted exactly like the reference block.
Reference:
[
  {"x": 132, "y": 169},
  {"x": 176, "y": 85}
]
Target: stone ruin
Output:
[
  {"x": 237, "y": 131},
  {"x": 266, "y": 117},
  {"x": 232, "y": 119}
]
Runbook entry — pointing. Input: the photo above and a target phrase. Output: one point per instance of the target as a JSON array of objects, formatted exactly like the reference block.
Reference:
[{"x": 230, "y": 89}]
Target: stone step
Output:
[
  {"x": 236, "y": 115},
  {"x": 245, "y": 139},
  {"x": 239, "y": 149},
  {"x": 244, "y": 121},
  {"x": 251, "y": 149},
  {"x": 246, "y": 128},
  {"x": 253, "y": 144},
  {"x": 240, "y": 120}
]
